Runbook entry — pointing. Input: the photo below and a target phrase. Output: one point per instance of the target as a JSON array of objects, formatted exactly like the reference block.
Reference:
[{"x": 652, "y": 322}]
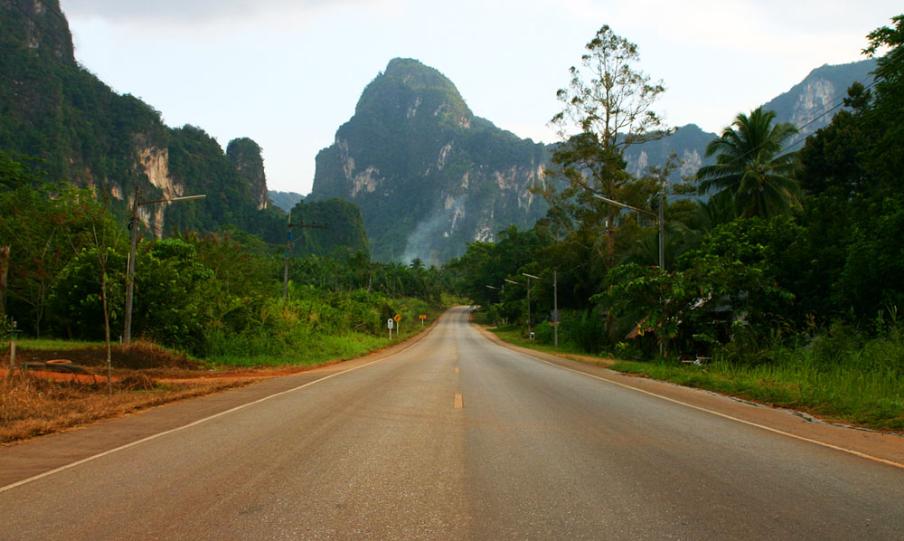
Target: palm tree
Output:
[{"x": 750, "y": 168}]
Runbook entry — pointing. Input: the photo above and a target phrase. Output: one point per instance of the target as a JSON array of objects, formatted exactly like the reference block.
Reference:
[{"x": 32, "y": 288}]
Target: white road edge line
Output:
[
  {"x": 183, "y": 427},
  {"x": 723, "y": 415}
]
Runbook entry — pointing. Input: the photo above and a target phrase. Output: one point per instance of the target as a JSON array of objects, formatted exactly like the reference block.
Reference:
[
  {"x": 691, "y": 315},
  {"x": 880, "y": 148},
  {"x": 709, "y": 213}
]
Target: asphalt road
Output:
[{"x": 456, "y": 437}]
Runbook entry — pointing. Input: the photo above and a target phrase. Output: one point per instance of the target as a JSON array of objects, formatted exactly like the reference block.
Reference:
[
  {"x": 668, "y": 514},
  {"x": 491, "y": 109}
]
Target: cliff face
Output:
[
  {"x": 75, "y": 128},
  {"x": 806, "y": 102},
  {"x": 428, "y": 175}
]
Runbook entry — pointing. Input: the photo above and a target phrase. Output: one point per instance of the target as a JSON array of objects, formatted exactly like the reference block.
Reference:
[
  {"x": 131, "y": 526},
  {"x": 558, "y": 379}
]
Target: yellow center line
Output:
[{"x": 458, "y": 401}]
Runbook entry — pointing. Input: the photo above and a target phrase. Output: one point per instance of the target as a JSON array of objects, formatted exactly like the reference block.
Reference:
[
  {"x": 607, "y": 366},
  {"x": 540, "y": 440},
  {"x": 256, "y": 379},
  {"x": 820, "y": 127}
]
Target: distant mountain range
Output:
[
  {"x": 284, "y": 200},
  {"x": 809, "y": 105},
  {"x": 431, "y": 177}
]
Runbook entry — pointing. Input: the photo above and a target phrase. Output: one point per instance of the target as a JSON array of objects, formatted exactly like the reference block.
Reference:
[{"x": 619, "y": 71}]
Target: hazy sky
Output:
[{"x": 287, "y": 73}]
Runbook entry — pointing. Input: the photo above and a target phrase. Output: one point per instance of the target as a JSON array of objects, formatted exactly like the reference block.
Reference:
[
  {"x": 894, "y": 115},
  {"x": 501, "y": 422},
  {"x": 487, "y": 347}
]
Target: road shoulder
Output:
[{"x": 877, "y": 446}]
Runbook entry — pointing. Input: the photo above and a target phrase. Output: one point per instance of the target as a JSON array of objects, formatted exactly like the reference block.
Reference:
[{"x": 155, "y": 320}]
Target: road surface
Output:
[{"x": 458, "y": 438}]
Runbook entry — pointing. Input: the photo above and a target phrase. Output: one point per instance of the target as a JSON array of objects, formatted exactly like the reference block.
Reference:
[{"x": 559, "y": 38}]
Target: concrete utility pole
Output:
[
  {"x": 530, "y": 331},
  {"x": 660, "y": 222},
  {"x": 133, "y": 253},
  {"x": 555, "y": 308},
  {"x": 4, "y": 272},
  {"x": 290, "y": 226},
  {"x": 658, "y": 216}
]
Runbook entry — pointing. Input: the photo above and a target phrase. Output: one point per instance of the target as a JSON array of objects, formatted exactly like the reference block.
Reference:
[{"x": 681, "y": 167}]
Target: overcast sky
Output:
[{"x": 287, "y": 73}]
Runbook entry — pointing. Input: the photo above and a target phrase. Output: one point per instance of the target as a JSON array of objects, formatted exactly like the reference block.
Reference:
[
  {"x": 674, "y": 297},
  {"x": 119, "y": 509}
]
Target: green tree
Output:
[
  {"x": 751, "y": 169},
  {"x": 609, "y": 102},
  {"x": 169, "y": 295}
]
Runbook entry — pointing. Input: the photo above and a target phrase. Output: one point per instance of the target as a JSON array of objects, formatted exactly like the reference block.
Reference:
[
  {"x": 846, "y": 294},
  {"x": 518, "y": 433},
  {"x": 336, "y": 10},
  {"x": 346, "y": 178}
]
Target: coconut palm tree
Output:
[{"x": 750, "y": 169}]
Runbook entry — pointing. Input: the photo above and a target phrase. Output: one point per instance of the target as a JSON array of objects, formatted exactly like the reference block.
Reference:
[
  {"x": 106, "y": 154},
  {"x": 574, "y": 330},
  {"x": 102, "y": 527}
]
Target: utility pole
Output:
[
  {"x": 530, "y": 332},
  {"x": 290, "y": 226},
  {"x": 555, "y": 308},
  {"x": 4, "y": 272},
  {"x": 130, "y": 268},
  {"x": 659, "y": 216},
  {"x": 661, "y": 222},
  {"x": 133, "y": 253}
]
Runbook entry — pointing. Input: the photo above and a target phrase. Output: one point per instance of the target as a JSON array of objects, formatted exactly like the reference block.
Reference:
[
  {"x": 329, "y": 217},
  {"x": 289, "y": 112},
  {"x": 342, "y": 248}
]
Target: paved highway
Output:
[{"x": 457, "y": 437}]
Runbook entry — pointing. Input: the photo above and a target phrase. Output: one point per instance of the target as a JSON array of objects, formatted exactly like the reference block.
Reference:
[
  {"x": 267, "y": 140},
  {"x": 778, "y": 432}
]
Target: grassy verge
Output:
[
  {"x": 306, "y": 353},
  {"x": 513, "y": 335},
  {"x": 863, "y": 385},
  {"x": 871, "y": 399},
  {"x": 315, "y": 349}
]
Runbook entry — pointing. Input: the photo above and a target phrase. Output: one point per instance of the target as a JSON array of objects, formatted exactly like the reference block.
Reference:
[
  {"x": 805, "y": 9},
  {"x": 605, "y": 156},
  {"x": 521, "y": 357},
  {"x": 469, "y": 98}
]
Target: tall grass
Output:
[{"x": 840, "y": 375}]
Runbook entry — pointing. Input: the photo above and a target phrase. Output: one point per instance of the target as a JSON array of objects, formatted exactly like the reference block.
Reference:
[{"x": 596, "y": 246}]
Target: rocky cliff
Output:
[
  {"x": 72, "y": 126},
  {"x": 428, "y": 175}
]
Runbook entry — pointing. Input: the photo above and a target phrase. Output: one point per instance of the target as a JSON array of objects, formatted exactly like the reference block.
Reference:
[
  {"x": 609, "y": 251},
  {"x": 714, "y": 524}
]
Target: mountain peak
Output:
[
  {"x": 38, "y": 26},
  {"x": 408, "y": 87}
]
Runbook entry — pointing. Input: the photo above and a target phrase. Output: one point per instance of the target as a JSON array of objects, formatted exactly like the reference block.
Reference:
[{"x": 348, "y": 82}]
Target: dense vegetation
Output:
[
  {"x": 791, "y": 267},
  {"x": 217, "y": 295}
]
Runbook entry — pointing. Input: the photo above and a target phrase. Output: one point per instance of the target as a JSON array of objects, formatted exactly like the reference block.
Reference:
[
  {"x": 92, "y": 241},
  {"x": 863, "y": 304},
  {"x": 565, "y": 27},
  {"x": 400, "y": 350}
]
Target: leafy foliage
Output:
[{"x": 750, "y": 169}]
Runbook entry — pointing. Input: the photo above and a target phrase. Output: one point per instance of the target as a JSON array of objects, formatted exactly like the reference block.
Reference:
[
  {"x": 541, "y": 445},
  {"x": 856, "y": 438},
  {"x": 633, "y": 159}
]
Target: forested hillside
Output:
[{"x": 68, "y": 125}]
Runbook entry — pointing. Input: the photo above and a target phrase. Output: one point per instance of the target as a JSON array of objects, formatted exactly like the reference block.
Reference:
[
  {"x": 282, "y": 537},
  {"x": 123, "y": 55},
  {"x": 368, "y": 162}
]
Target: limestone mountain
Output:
[
  {"x": 428, "y": 175},
  {"x": 71, "y": 126},
  {"x": 809, "y": 105}
]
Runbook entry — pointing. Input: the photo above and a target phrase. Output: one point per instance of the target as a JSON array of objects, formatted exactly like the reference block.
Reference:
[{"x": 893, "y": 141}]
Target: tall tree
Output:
[
  {"x": 609, "y": 101},
  {"x": 751, "y": 168}
]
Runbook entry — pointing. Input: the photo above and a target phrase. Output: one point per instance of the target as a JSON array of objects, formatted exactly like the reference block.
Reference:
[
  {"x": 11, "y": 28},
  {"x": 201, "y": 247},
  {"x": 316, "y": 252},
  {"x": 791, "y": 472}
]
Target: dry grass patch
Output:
[{"x": 32, "y": 406}]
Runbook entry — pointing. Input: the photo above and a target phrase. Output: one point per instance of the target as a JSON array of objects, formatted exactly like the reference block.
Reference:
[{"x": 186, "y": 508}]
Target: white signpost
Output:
[{"x": 389, "y": 325}]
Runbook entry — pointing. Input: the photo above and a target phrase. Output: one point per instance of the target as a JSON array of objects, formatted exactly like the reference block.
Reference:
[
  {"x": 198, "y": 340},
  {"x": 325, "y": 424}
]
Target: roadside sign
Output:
[
  {"x": 397, "y": 317},
  {"x": 422, "y": 317},
  {"x": 390, "y": 324}
]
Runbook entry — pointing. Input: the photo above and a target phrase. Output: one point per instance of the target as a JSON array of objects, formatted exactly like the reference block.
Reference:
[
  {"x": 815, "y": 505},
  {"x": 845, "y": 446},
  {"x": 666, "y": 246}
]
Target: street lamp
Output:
[
  {"x": 658, "y": 216},
  {"x": 660, "y": 221},
  {"x": 530, "y": 332},
  {"x": 133, "y": 247}
]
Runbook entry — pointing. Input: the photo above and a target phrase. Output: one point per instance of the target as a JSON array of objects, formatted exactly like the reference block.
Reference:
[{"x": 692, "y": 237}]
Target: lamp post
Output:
[
  {"x": 555, "y": 308},
  {"x": 658, "y": 216},
  {"x": 133, "y": 248},
  {"x": 660, "y": 222},
  {"x": 530, "y": 332}
]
